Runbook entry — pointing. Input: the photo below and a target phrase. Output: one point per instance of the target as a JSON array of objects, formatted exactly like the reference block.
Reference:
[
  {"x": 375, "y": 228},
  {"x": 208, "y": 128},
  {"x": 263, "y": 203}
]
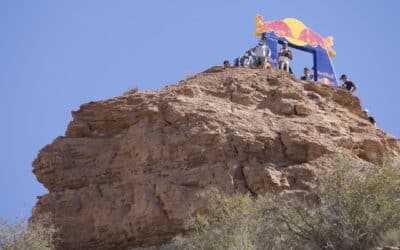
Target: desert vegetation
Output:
[
  {"x": 20, "y": 236},
  {"x": 351, "y": 207},
  {"x": 354, "y": 207}
]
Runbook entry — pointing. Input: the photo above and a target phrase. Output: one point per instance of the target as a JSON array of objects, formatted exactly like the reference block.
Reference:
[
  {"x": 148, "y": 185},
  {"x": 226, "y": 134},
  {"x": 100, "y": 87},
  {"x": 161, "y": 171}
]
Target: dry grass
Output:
[{"x": 18, "y": 236}]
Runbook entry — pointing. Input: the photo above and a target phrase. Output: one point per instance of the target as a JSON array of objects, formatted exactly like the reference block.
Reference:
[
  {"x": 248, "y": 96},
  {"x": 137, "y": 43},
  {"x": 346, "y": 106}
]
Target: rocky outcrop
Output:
[{"x": 128, "y": 169}]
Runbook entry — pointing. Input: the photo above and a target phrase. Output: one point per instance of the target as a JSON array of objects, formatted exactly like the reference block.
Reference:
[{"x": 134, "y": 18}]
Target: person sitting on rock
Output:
[
  {"x": 348, "y": 85},
  {"x": 370, "y": 118},
  {"x": 285, "y": 56},
  {"x": 226, "y": 64},
  {"x": 249, "y": 58},
  {"x": 236, "y": 62},
  {"x": 306, "y": 76},
  {"x": 261, "y": 52},
  {"x": 245, "y": 60}
]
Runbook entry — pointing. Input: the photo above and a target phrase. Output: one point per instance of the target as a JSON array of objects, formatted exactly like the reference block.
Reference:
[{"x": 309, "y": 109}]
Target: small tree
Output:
[
  {"x": 227, "y": 225},
  {"x": 355, "y": 206},
  {"x": 18, "y": 236}
]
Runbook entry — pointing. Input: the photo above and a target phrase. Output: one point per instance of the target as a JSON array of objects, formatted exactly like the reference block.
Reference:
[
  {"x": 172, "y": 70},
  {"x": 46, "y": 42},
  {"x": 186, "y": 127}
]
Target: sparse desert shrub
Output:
[
  {"x": 227, "y": 225},
  {"x": 237, "y": 222},
  {"x": 18, "y": 236},
  {"x": 355, "y": 205}
]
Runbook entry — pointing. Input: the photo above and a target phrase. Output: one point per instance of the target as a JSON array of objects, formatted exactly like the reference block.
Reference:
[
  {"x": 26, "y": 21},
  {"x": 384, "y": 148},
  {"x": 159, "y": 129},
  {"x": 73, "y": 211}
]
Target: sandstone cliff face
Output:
[{"x": 128, "y": 169}]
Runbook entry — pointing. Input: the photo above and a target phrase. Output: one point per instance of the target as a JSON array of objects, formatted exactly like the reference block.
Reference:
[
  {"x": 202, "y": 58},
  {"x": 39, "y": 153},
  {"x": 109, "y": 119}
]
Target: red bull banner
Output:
[{"x": 299, "y": 36}]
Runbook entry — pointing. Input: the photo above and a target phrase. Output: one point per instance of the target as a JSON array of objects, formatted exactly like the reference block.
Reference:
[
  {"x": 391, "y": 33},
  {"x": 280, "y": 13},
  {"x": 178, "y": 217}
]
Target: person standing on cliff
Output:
[
  {"x": 348, "y": 85},
  {"x": 307, "y": 76},
  {"x": 261, "y": 52},
  {"x": 285, "y": 56}
]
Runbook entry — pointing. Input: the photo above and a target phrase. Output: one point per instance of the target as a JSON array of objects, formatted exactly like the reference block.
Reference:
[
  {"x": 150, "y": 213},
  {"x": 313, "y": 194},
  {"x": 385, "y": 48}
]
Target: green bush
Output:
[
  {"x": 356, "y": 208},
  {"x": 18, "y": 236}
]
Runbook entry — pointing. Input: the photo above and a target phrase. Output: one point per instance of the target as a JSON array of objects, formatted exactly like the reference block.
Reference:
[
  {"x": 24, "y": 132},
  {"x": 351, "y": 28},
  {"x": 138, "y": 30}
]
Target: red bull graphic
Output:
[
  {"x": 295, "y": 32},
  {"x": 299, "y": 36},
  {"x": 280, "y": 28},
  {"x": 312, "y": 38}
]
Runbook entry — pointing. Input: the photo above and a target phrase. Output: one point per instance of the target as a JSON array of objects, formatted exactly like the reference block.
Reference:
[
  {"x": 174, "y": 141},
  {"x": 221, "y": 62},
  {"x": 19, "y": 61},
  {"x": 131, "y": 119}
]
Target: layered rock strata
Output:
[{"x": 128, "y": 169}]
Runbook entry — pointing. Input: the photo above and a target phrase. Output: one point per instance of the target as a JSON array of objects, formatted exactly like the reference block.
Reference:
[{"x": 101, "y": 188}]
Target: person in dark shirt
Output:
[
  {"x": 349, "y": 85},
  {"x": 370, "y": 118},
  {"x": 226, "y": 64}
]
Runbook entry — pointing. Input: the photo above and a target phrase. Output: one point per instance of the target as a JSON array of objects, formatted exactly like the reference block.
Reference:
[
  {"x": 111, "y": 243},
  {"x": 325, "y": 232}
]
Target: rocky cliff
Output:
[{"x": 128, "y": 169}]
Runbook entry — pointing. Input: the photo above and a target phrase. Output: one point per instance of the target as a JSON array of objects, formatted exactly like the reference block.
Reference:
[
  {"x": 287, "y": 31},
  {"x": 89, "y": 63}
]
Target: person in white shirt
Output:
[
  {"x": 307, "y": 76},
  {"x": 261, "y": 54},
  {"x": 249, "y": 58},
  {"x": 285, "y": 56},
  {"x": 246, "y": 60}
]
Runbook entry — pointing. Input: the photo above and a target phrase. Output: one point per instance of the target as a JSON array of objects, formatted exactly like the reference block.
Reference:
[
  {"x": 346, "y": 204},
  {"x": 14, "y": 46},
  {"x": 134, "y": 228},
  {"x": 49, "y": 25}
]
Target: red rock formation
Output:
[{"x": 128, "y": 169}]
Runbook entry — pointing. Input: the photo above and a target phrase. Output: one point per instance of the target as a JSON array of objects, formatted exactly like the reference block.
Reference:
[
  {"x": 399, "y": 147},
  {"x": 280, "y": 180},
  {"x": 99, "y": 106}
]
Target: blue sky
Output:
[{"x": 58, "y": 54}]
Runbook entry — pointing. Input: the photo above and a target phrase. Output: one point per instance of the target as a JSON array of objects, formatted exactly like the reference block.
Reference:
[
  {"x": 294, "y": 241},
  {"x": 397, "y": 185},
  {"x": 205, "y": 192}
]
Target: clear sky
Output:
[{"x": 58, "y": 54}]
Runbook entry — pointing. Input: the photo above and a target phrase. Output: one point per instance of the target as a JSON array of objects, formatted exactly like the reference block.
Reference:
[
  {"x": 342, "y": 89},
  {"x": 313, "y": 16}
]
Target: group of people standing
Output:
[{"x": 257, "y": 57}]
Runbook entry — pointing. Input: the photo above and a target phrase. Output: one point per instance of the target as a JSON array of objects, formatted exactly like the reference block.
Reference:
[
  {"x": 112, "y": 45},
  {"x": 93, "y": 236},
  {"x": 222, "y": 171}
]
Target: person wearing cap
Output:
[
  {"x": 306, "y": 76},
  {"x": 349, "y": 85},
  {"x": 261, "y": 54},
  {"x": 285, "y": 56}
]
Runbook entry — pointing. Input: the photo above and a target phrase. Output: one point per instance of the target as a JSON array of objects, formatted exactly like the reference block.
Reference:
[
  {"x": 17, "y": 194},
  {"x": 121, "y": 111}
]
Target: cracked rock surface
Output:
[{"x": 128, "y": 169}]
